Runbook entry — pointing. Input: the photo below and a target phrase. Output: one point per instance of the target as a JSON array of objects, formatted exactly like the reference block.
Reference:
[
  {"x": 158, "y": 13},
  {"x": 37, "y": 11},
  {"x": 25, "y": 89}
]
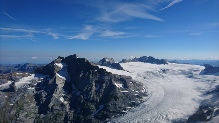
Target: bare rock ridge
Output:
[
  {"x": 146, "y": 59},
  {"x": 73, "y": 90},
  {"x": 109, "y": 62}
]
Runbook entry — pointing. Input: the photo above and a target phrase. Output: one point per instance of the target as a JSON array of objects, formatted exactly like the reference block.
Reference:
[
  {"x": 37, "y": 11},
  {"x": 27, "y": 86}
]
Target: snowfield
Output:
[
  {"x": 24, "y": 81},
  {"x": 175, "y": 91}
]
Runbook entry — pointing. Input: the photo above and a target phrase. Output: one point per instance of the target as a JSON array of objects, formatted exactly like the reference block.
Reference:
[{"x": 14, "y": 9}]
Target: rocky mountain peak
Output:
[
  {"x": 109, "y": 62},
  {"x": 76, "y": 91}
]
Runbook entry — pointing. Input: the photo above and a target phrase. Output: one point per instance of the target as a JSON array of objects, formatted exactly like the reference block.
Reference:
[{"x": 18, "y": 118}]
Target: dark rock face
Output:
[
  {"x": 12, "y": 87},
  {"x": 146, "y": 59},
  {"x": 210, "y": 69},
  {"x": 86, "y": 94},
  {"x": 109, "y": 62}
]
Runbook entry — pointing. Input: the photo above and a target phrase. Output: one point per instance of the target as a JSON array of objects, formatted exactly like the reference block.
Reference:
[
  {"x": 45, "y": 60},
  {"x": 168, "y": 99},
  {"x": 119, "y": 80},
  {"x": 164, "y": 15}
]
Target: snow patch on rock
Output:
[
  {"x": 62, "y": 73},
  {"x": 119, "y": 85}
]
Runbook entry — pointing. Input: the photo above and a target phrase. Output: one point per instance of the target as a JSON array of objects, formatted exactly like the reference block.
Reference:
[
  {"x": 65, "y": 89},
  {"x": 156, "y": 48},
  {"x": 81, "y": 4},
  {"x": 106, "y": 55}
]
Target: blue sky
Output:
[{"x": 38, "y": 31}]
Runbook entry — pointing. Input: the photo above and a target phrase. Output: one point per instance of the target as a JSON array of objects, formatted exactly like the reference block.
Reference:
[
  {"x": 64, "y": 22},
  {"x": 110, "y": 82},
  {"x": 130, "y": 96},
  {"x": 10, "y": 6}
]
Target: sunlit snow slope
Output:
[{"x": 176, "y": 91}]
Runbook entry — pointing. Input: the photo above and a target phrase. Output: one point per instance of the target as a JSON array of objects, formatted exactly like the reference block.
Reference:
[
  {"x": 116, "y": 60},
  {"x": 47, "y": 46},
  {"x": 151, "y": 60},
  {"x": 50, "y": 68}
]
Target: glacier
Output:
[{"x": 175, "y": 91}]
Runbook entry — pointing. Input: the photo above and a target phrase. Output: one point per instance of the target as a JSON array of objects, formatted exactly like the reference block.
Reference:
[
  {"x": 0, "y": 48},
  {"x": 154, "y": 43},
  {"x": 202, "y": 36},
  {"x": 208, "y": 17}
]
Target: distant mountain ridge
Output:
[
  {"x": 146, "y": 59},
  {"x": 27, "y": 67},
  {"x": 109, "y": 62}
]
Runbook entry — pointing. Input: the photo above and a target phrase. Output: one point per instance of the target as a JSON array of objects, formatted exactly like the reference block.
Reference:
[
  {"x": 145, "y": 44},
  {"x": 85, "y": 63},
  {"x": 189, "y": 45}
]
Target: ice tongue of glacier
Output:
[{"x": 176, "y": 90}]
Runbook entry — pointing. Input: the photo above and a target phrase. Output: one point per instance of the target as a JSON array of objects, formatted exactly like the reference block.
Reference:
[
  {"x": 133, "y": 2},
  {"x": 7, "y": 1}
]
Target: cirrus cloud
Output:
[
  {"x": 109, "y": 33},
  {"x": 171, "y": 4}
]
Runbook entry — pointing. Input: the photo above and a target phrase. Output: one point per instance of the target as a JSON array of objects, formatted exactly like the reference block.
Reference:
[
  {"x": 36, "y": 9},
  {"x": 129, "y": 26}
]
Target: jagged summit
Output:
[
  {"x": 109, "y": 62},
  {"x": 106, "y": 61}
]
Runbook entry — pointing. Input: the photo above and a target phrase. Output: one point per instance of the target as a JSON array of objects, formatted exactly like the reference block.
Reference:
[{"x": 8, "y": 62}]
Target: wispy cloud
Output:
[
  {"x": 171, "y": 4},
  {"x": 151, "y": 36},
  {"x": 109, "y": 33},
  {"x": 19, "y": 30},
  {"x": 85, "y": 34},
  {"x": 118, "y": 12},
  {"x": 82, "y": 36},
  {"x": 9, "y": 16},
  {"x": 195, "y": 34},
  {"x": 16, "y": 36},
  {"x": 54, "y": 35},
  {"x": 34, "y": 58},
  {"x": 28, "y": 31}
]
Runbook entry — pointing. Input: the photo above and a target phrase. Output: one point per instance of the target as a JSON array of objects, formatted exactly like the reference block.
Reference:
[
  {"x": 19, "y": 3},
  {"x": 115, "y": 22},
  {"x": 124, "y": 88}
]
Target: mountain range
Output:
[{"x": 73, "y": 89}]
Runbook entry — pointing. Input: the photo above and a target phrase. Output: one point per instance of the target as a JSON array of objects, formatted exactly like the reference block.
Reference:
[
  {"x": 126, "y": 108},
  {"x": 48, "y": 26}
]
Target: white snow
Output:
[
  {"x": 119, "y": 85},
  {"x": 114, "y": 71},
  {"x": 175, "y": 94},
  {"x": 24, "y": 80},
  {"x": 30, "y": 88},
  {"x": 124, "y": 91},
  {"x": 6, "y": 84},
  {"x": 61, "y": 99},
  {"x": 60, "y": 76},
  {"x": 62, "y": 73},
  {"x": 19, "y": 73},
  {"x": 60, "y": 65}
]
